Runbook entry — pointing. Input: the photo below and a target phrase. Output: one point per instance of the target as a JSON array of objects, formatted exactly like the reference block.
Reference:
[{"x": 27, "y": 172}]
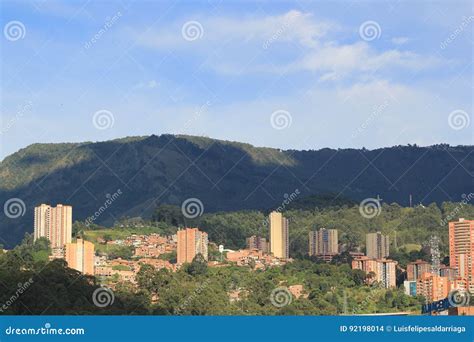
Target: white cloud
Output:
[
  {"x": 293, "y": 26},
  {"x": 228, "y": 43}
]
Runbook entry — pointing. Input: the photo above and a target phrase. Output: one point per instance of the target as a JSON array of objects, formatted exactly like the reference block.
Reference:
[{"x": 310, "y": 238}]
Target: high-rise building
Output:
[
  {"x": 432, "y": 287},
  {"x": 416, "y": 268},
  {"x": 80, "y": 256},
  {"x": 257, "y": 243},
  {"x": 191, "y": 242},
  {"x": 450, "y": 272},
  {"x": 279, "y": 240},
  {"x": 383, "y": 270},
  {"x": 323, "y": 242},
  {"x": 461, "y": 249},
  {"x": 377, "y": 245},
  {"x": 53, "y": 223}
]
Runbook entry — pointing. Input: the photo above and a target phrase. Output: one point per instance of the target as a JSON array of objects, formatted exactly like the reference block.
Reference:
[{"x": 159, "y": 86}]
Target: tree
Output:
[
  {"x": 169, "y": 214},
  {"x": 198, "y": 266}
]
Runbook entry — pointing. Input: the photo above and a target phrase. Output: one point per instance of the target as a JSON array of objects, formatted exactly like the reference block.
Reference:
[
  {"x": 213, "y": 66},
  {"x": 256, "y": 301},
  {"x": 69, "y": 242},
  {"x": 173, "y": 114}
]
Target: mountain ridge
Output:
[{"x": 224, "y": 175}]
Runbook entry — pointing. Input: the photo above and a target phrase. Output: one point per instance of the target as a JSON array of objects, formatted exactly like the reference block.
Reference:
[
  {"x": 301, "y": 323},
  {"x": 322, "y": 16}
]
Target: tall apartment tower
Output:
[
  {"x": 279, "y": 240},
  {"x": 257, "y": 243},
  {"x": 384, "y": 269},
  {"x": 377, "y": 245},
  {"x": 416, "y": 269},
  {"x": 53, "y": 223},
  {"x": 191, "y": 241},
  {"x": 323, "y": 242},
  {"x": 80, "y": 256},
  {"x": 461, "y": 249}
]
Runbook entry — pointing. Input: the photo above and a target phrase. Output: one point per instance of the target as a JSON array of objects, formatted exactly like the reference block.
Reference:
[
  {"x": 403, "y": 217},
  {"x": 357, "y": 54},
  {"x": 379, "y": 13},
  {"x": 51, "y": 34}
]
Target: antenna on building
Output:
[
  {"x": 411, "y": 200},
  {"x": 435, "y": 255}
]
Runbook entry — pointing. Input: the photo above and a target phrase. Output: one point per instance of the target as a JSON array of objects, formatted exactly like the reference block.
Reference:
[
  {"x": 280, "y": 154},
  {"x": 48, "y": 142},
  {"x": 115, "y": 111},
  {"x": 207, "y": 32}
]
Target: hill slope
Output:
[{"x": 224, "y": 175}]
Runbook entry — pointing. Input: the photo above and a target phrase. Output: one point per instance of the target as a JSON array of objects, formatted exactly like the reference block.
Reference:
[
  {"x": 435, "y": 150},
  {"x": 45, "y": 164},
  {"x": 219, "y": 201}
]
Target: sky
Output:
[{"x": 289, "y": 75}]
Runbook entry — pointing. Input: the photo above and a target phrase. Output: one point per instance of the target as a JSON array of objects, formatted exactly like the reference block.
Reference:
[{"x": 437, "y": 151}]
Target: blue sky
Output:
[{"x": 299, "y": 75}]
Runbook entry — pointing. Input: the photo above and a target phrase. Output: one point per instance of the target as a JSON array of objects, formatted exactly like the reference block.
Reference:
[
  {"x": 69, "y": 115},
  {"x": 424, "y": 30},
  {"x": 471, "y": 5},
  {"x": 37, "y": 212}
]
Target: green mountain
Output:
[{"x": 136, "y": 174}]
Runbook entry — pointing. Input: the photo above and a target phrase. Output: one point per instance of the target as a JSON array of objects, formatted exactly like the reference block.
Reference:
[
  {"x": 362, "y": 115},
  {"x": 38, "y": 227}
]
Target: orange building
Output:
[
  {"x": 433, "y": 287},
  {"x": 80, "y": 256},
  {"x": 461, "y": 249},
  {"x": 53, "y": 223},
  {"x": 383, "y": 269},
  {"x": 191, "y": 241},
  {"x": 416, "y": 269}
]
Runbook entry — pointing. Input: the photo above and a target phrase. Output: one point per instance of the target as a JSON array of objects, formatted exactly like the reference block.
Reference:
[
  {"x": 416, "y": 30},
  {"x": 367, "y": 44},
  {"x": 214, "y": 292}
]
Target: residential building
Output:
[
  {"x": 450, "y": 272},
  {"x": 382, "y": 270},
  {"x": 191, "y": 242},
  {"x": 461, "y": 249},
  {"x": 387, "y": 272},
  {"x": 433, "y": 287},
  {"x": 377, "y": 245},
  {"x": 258, "y": 243},
  {"x": 416, "y": 268},
  {"x": 410, "y": 287},
  {"x": 279, "y": 240},
  {"x": 323, "y": 242},
  {"x": 53, "y": 223},
  {"x": 80, "y": 256}
]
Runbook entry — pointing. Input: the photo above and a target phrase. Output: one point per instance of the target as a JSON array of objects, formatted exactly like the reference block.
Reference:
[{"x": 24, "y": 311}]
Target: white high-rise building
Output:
[{"x": 53, "y": 223}]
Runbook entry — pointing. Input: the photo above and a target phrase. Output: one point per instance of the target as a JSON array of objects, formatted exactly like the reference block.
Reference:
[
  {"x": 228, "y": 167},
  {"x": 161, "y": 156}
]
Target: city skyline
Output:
[{"x": 420, "y": 278}]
